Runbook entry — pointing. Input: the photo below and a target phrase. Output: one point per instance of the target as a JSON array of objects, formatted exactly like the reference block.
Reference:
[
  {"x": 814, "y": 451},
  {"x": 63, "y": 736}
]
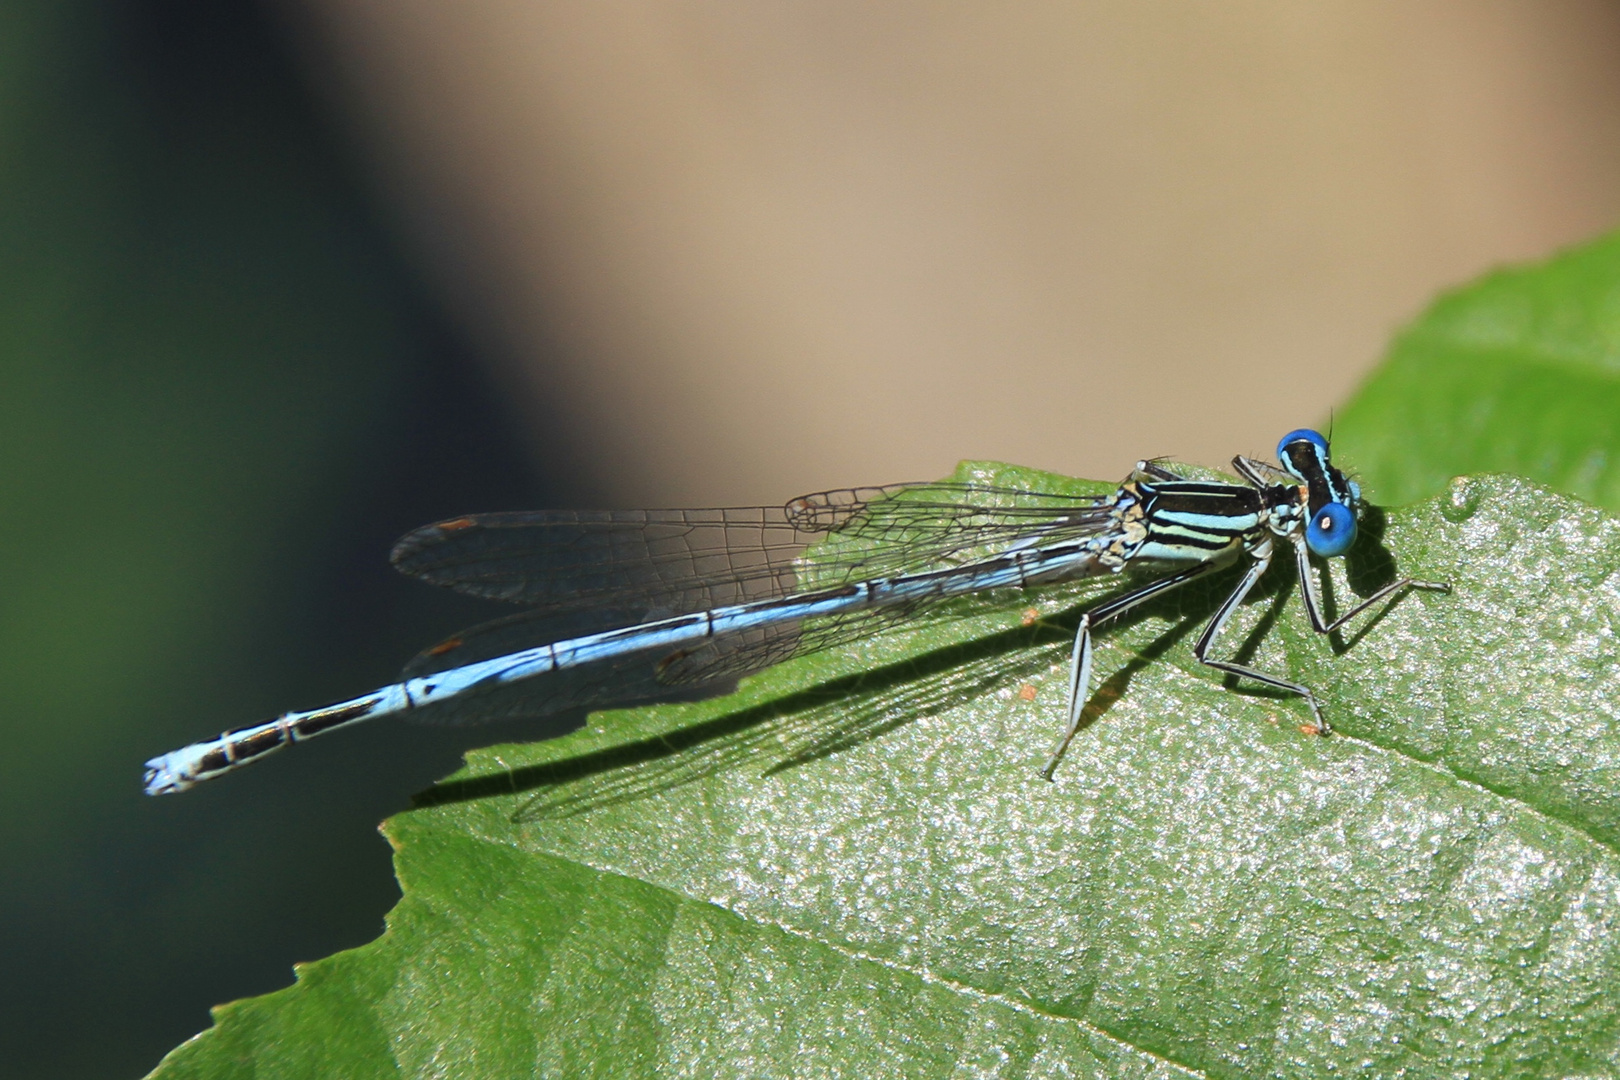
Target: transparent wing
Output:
[
  {"x": 593, "y": 570},
  {"x": 667, "y": 562}
]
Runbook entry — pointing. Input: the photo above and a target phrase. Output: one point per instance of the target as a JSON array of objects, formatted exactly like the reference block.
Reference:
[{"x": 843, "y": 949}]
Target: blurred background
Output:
[{"x": 280, "y": 279}]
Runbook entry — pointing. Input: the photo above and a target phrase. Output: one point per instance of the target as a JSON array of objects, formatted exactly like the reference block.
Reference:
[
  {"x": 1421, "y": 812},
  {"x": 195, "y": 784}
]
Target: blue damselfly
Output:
[{"x": 627, "y": 606}]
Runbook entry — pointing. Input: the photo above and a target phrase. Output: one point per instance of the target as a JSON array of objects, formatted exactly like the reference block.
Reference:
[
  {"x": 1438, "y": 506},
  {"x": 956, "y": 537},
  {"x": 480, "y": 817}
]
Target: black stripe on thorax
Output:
[
  {"x": 1213, "y": 500},
  {"x": 1200, "y": 519}
]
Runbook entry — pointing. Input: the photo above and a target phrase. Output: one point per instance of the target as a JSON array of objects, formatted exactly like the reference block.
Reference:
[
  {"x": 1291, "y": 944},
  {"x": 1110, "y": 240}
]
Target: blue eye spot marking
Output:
[
  {"x": 1331, "y": 530},
  {"x": 1303, "y": 434}
]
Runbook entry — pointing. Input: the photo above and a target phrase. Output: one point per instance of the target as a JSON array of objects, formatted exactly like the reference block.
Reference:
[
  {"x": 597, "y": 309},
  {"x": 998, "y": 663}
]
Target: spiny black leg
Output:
[
  {"x": 1262, "y": 561},
  {"x": 1313, "y": 595},
  {"x": 1080, "y": 660}
]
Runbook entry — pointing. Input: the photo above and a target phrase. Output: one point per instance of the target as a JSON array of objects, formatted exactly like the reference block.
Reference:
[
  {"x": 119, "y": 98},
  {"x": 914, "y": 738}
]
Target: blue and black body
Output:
[
  {"x": 626, "y": 606},
  {"x": 1205, "y": 527}
]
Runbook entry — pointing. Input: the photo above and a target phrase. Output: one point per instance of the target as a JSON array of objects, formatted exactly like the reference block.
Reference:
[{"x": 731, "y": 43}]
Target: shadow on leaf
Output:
[
  {"x": 830, "y": 717},
  {"x": 844, "y": 712}
]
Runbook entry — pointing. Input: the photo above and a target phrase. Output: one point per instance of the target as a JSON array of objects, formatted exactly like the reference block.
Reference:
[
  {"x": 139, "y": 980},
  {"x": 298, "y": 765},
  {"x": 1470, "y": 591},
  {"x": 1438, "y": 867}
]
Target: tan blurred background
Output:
[{"x": 788, "y": 245}]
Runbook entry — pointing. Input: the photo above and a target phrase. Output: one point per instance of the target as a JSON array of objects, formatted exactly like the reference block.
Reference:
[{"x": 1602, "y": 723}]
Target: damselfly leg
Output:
[{"x": 1080, "y": 659}]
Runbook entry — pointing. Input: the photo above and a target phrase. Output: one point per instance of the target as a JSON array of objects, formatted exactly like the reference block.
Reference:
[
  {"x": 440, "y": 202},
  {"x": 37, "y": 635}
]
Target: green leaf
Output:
[
  {"x": 852, "y": 868},
  {"x": 1517, "y": 373}
]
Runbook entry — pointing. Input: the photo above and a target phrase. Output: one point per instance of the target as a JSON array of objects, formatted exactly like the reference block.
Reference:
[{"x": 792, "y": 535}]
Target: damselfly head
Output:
[{"x": 1331, "y": 497}]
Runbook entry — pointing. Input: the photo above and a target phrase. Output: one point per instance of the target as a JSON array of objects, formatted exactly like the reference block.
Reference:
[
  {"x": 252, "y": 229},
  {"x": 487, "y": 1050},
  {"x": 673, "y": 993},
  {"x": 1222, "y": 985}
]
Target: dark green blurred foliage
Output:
[{"x": 221, "y": 397}]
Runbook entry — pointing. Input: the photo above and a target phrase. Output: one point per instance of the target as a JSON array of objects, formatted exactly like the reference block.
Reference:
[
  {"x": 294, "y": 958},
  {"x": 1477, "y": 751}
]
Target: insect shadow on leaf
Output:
[
  {"x": 844, "y": 712},
  {"x": 1368, "y": 567},
  {"x": 833, "y": 716}
]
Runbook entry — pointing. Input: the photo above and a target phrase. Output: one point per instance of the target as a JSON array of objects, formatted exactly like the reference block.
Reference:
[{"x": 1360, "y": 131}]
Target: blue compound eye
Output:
[
  {"x": 1304, "y": 434},
  {"x": 1331, "y": 530}
]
